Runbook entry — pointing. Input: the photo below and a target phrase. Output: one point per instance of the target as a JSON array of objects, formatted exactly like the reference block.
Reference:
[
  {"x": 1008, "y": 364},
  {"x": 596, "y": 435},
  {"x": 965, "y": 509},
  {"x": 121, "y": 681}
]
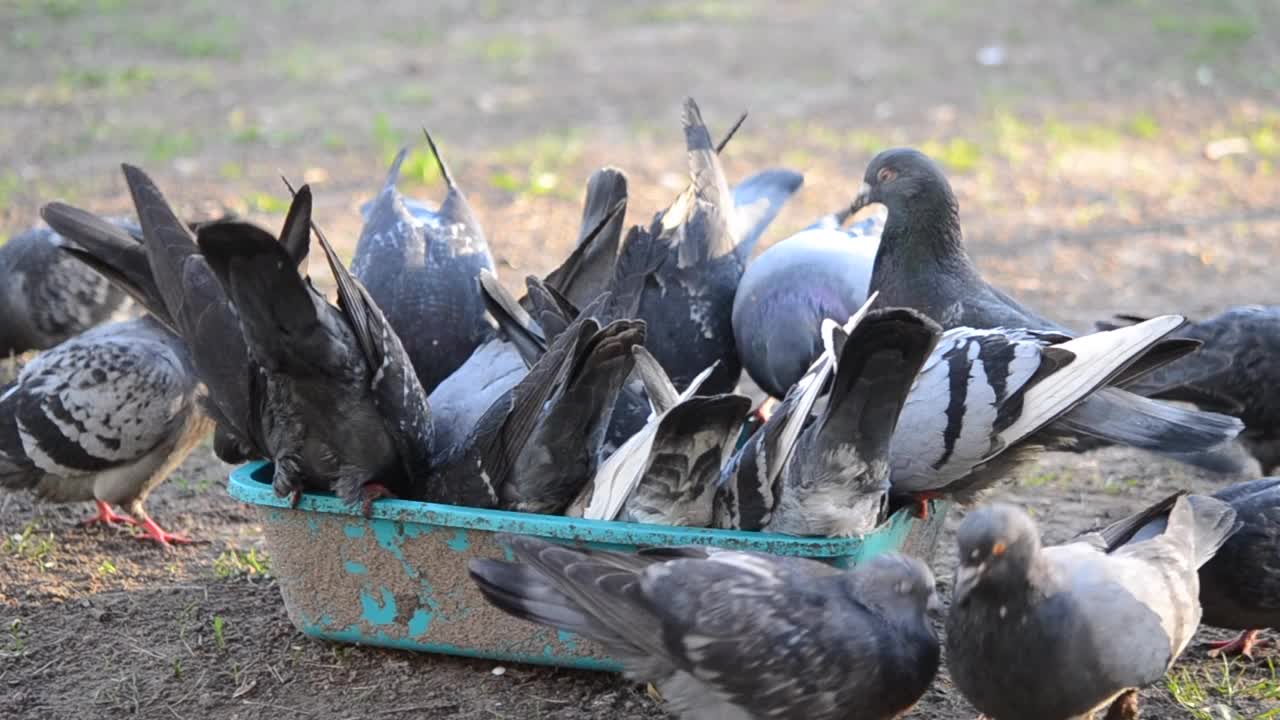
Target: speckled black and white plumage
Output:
[
  {"x": 1098, "y": 619},
  {"x": 47, "y": 297},
  {"x": 831, "y": 477},
  {"x": 728, "y": 635},
  {"x": 106, "y": 416},
  {"x": 422, "y": 268},
  {"x": 922, "y": 263},
  {"x": 1236, "y": 371}
]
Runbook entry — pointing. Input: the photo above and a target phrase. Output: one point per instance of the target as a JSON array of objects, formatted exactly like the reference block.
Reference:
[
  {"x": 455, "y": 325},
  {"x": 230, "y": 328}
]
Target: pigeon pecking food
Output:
[
  {"x": 742, "y": 635},
  {"x": 1102, "y": 616}
]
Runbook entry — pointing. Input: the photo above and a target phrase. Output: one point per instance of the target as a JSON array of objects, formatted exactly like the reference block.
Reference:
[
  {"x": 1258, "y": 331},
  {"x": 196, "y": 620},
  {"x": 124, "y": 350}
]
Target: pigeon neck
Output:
[{"x": 916, "y": 244}]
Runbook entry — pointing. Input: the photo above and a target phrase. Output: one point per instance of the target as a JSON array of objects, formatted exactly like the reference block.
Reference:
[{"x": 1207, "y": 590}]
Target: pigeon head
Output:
[
  {"x": 997, "y": 544},
  {"x": 897, "y": 583},
  {"x": 905, "y": 181}
]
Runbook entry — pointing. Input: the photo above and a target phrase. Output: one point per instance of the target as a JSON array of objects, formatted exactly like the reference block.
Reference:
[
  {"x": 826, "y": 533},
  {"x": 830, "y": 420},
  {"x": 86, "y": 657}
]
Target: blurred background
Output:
[{"x": 1109, "y": 155}]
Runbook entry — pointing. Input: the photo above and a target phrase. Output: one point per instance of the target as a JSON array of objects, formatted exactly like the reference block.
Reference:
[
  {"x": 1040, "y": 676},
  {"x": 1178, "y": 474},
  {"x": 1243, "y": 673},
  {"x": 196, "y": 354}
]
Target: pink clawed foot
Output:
[
  {"x": 107, "y": 516},
  {"x": 152, "y": 531},
  {"x": 1242, "y": 645}
]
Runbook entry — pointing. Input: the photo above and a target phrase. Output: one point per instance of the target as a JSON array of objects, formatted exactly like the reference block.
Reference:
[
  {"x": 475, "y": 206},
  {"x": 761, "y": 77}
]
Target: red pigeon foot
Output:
[
  {"x": 1242, "y": 645},
  {"x": 922, "y": 504},
  {"x": 155, "y": 532},
  {"x": 107, "y": 516},
  {"x": 372, "y": 492}
]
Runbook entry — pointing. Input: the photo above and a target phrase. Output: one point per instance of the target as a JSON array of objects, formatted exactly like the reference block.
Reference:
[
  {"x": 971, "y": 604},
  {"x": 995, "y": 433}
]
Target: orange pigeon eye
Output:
[
  {"x": 998, "y": 549},
  {"x": 886, "y": 174}
]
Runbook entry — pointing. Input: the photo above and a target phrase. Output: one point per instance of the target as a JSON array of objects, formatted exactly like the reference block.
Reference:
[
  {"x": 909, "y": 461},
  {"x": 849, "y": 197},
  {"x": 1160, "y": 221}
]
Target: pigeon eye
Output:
[{"x": 886, "y": 174}]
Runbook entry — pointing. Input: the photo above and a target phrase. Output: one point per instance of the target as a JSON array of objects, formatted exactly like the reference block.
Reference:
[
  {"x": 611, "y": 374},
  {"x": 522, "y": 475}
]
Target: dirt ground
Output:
[{"x": 1085, "y": 140}]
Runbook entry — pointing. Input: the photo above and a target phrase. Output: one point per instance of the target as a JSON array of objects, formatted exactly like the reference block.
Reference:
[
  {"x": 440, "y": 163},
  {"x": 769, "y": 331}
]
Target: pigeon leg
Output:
[
  {"x": 370, "y": 492},
  {"x": 155, "y": 532},
  {"x": 107, "y": 516},
  {"x": 922, "y": 503},
  {"x": 1242, "y": 645},
  {"x": 286, "y": 480},
  {"x": 1125, "y": 707}
]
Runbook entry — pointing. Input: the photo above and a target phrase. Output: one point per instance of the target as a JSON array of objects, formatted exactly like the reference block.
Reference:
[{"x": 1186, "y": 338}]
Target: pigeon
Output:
[
  {"x": 319, "y": 364},
  {"x": 831, "y": 477},
  {"x": 535, "y": 447},
  {"x": 169, "y": 276},
  {"x": 706, "y": 240},
  {"x": 667, "y": 473},
  {"x": 1240, "y": 586},
  {"x": 589, "y": 270},
  {"x": 1235, "y": 372},
  {"x": 104, "y": 416},
  {"x": 422, "y": 269},
  {"x": 732, "y": 634},
  {"x": 47, "y": 297},
  {"x": 1101, "y": 617},
  {"x": 921, "y": 263},
  {"x": 821, "y": 272}
]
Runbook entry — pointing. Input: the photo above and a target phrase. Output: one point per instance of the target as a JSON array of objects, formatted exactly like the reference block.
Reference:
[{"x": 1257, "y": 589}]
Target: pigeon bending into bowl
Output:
[
  {"x": 47, "y": 297},
  {"x": 1100, "y": 616},
  {"x": 831, "y": 477},
  {"x": 105, "y": 416},
  {"x": 727, "y": 634},
  {"x": 922, "y": 263},
  {"x": 422, "y": 268},
  {"x": 1236, "y": 371},
  {"x": 1240, "y": 586}
]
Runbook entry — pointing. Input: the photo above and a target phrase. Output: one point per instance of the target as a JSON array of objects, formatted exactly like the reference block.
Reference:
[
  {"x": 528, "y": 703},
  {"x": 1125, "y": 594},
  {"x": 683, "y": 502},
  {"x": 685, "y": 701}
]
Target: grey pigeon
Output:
[
  {"x": 668, "y": 472},
  {"x": 536, "y": 446},
  {"x": 688, "y": 303},
  {"x": 1240, "y": 586},
  {"x": 422, "y": 269},
  {"x": 168, "y": 265},
  {"x": 831, "y": 477},
  {"x": 1101, "y": 618},
  {"x": 589, "y": 269},
  {"x": 47, "y": 297},
  {"x": 340, "y": 407},
  {"x": 922, "y": 263},
  {"x": 821, "y": 272},
  {"x": 104, "y": 416},
  {"x": 729, "y": 635},
  {"x": 1236, "y": 371}
]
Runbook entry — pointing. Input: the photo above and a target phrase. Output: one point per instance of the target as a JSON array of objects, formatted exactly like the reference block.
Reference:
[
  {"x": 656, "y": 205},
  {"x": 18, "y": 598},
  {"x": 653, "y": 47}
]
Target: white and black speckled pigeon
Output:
[
  {"x": 922, "y": 263},
  {"x": 422, "y": 269},
  {"x": 1100, "y": 618},
  {"x": 47, "y": 297},
  {"x": 104, "y": 416},
  {"x": 338, "y": 403},
  {"x": 831, "y": 477},
  {"x": 536, "y": 446},
  {"x": 820, "y": 272},
  {"x": 1235, "y": 372},
  {"x": 729, "y": 635},
  {"x": 667, "y": 473},
  {"x": 1240, "y": 586},
  {"x": 688, "y": 303},
  {"x": 168, "y": 265}
]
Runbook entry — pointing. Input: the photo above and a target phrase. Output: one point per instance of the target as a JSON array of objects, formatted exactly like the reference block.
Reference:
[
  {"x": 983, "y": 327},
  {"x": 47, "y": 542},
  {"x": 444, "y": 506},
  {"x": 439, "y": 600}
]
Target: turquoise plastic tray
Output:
[{"x": 399, "y": 578}]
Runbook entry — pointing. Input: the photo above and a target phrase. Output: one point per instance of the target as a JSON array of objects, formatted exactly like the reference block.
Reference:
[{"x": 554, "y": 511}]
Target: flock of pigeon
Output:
[{"x": 897, "y": 376}]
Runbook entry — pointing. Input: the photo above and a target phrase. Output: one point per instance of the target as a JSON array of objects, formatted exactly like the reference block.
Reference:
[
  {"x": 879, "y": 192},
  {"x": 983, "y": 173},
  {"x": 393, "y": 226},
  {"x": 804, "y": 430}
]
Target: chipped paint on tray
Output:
[
  {"x": 420, "y": 623},
  {"x": 378, "y": 613},
  {"x": 354, "y": 530},
  {"x": 459, "y": 543},
  {"x": 356, "y": 568}
]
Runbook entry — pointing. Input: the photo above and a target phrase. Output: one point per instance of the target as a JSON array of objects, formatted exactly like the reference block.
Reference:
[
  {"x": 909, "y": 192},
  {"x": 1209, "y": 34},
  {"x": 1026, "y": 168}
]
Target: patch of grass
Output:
[
  {"x": 64, "y": 9},
  {"x": 1265, "y": 140},
  {"x": 1040, "y": 479},
  {"x": 419, "y": 167},
  {"x": 163, "y": 146},
  {"x": 958, "y": 154},
  {"x": 1216, "y": 33},
  {"x": 9, "y": 184},
  {"x": 504, "y": 50},
  {"x": 1208, "y": 693},
  {"x": 17, "y": 643},
  {"x": 234, "y": 563},
  {"x": 333, "y": 141},
  {"x": 231, "y": 170},
  {"x": 1144, "y": 126},
  {"x": 266, "y": 202},
  {"x": 116, "y": 82},
  {"x": 538, "y": 164},
  {"x": 106, "y": 567},
  {"x": 412, "y": 95},
  {"x": 219, "y": 638},
  {"x": 219, "y": 39},
  {"x": 416, "y": 35},
  {"x": 27, "y": 39},
  {"x": 1094, "y": 136},
  {"x": 722, "y": 10},
  {"x": 30, "y": 545}
]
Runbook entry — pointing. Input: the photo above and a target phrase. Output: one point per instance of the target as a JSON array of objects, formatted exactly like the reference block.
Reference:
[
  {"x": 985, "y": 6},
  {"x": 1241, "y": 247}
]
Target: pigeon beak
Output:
[
  {"x": 967, "y": 578},
  {"x": 862, "y": 199}
]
